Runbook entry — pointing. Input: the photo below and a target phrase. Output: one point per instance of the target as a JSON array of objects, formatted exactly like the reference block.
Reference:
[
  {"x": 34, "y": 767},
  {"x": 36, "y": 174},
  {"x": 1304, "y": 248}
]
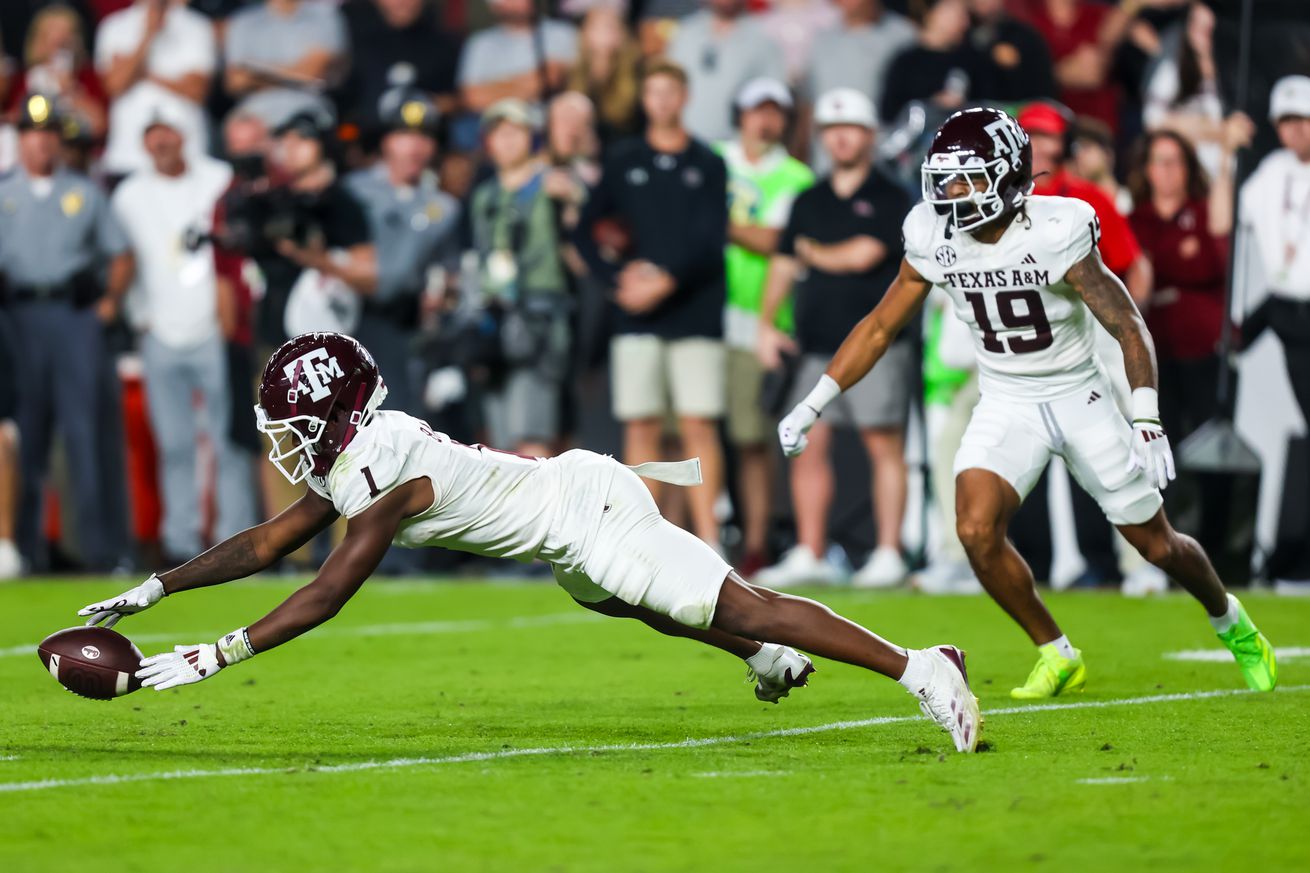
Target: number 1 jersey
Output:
[
  {"x": 1033, "y": 335},
  {"x": 487, "y": 502}
]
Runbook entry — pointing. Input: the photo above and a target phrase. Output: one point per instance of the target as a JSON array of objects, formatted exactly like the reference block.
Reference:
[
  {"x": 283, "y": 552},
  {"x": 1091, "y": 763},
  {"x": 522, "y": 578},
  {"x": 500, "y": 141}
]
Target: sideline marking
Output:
[
  {"x": 417, "y": 628},
  {"x": 729, "y": 774},
  {"x": 690, "y": 743},
  {"x": 1223, "y": 656}
]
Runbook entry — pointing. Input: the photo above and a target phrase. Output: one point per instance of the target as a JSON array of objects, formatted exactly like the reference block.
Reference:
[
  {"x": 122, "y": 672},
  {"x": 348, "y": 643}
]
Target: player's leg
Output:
[
  {"x": 1097, "y": 450},
  {"x": 936, "y": 676},
  {"x": 616, "y": 608},
  {"x": 1005, "y": 448},
  {"x": 1184, "y": 560},
  {"x": 984, "y": 505}
]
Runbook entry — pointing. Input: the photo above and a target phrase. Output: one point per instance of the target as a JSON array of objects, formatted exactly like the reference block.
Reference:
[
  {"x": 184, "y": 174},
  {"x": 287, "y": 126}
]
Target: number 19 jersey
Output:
[{"x": 1032, "y": 332}]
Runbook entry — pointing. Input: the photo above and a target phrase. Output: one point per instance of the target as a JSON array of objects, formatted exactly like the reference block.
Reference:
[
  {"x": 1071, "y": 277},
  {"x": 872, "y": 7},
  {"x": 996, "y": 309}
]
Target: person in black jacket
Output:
[
  {"x": 943, "y": 70},
  {"x": 654, "y": 230},
  {"x": 1020, "y": 61}
]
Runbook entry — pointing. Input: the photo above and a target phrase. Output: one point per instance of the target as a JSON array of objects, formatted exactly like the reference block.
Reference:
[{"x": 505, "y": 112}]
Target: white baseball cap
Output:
[
  {"x": 845, "y": 106},
  {"x": 1291, "y": 96},
  {"x": 763, "y": 90}
]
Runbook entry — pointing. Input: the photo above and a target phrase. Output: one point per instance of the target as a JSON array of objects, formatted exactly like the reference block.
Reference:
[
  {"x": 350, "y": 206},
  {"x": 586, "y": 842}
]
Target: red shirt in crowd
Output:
[
  {"x": 1191, "y": 269},
  {"x": 1118, "y": 246},
  {"x": 1102, "y": 102}
]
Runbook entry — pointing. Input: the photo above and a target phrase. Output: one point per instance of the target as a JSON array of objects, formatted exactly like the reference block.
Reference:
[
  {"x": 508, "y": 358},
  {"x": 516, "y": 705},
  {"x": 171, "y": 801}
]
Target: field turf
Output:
[{"x": 472, "y": 727}]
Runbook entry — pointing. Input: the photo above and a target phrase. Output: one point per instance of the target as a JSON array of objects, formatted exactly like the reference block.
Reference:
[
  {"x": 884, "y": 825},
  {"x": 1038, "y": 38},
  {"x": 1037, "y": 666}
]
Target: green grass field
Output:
[{"x": 498, "y": 727}]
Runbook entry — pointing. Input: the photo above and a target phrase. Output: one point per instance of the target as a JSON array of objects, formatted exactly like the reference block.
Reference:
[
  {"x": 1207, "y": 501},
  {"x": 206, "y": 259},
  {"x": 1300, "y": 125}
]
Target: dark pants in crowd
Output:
[
  {"x": 1031, "y": 532},
  {"x": 1290, "y": 321},
  {"x": 389, "y": 342},
  {"x": 61, "y": 356}
]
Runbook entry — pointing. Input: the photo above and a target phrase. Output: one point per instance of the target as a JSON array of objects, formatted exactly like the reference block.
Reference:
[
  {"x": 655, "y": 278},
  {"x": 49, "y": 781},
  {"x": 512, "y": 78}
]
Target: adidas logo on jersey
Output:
[
  {"x": 1095, "y": 397},
  {"x": 1028, "y": 259}
]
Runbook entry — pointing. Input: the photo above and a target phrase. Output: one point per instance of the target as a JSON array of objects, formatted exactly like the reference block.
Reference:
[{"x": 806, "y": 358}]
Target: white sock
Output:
[
  {"x": 918, "y": 670},
  {"x": 762, "y": 660},
  {"x": 1224, "y": 623},
  {"x": 1063, "y": 646}
]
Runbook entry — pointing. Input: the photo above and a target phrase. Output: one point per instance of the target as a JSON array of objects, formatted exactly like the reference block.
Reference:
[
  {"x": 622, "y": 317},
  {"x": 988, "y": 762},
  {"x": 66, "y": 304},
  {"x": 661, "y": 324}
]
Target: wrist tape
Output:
[
  {"x": 826, "y": 391},
  {"x": 235, "y": 647},
  {"x": 1146, "y": 406}
]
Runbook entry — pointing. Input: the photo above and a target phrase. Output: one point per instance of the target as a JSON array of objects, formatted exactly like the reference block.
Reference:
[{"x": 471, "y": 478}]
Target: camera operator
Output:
[
  {"x": 305, "y": 231},
  {"x": 416, "y": 226},
  {"x": 524, "y": 283}
]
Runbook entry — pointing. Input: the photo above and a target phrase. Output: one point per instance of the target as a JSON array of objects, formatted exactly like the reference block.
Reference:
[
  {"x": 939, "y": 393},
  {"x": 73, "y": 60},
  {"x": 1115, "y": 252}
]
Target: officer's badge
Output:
[
  {"x": 413, "y": 113},
  {"x": 72, "y": 203}
]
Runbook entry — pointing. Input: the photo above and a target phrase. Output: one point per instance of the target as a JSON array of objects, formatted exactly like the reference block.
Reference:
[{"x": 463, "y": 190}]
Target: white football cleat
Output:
[
  {"x": 799, "y": 566},
  {"x": 947, "y": 699},
  {"x": 11, "y": 563},
  {"x": 884, "y": 569},
  {"x": 1144, "y": 581},
  {"x": 776, "y": 671}
]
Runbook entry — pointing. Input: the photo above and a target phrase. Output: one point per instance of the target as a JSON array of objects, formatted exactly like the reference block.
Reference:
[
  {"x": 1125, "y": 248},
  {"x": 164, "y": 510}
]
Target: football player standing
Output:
[
  {"x": 397, "y": 481},
  {"x": 1024, "y": 273}
]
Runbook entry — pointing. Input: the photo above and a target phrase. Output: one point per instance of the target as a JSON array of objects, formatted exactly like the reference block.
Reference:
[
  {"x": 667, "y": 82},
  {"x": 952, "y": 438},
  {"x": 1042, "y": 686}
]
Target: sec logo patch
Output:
[{"x": 945, "y": 256}]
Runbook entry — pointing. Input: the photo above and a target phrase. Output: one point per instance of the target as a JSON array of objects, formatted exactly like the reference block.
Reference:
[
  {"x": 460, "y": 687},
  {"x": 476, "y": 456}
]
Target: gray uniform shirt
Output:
[
  {"x": 413, "y": 228},
  {"x": 46, "y": 240},
  {"x": 717, "y": 67}
]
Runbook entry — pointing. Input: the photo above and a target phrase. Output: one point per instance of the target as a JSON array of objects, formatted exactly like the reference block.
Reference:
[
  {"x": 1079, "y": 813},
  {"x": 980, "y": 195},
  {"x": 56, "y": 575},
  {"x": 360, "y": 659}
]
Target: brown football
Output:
[{"x": 94, "y": 662}]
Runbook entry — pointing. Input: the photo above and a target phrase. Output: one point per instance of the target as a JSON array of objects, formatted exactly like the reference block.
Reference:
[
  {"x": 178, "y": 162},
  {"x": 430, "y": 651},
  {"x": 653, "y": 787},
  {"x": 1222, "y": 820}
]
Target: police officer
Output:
[
  {"x": 415, "y": 227},
  {"x": 57, "y": 237}
]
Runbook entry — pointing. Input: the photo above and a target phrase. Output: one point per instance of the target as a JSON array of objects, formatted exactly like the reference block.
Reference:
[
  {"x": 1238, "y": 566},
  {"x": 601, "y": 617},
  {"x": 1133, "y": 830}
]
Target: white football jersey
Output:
[
  {"x": 487, "y": 502},
  {"x": 1033, "y": 335}
]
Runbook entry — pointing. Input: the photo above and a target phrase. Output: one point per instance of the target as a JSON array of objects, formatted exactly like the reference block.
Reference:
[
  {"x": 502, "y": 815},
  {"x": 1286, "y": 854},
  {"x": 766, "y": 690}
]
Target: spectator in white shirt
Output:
[
  {"x": 151, "y": 53},
  {"x": 167, "y": 212},
  {"x": 511, "y": 60}
]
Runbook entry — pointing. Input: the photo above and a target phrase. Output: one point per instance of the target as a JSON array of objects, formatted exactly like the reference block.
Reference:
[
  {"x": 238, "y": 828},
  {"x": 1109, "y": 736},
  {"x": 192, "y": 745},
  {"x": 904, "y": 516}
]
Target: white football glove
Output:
[
  {"x": 793, "y": 428},
  {"x": 134, "y": 600},
  {"x": 1150, "y": 451},
  {"x": 797, "y": 423},
  {"x": 184, "y": 665}
]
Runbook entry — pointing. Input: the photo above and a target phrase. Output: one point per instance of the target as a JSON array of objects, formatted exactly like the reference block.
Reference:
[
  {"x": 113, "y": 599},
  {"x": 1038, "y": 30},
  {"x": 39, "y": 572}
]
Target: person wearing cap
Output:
[
  {"x": 666, "y": 195},
  {"x": 329, "y": 254},
  {"x": 839, "y": 251},
  {"x": 721, "y": 48},
  {"x": 1274, "y": 211},
  {"x": 167, "y": 211},
  {"x": 763, "y": 181},
  {"x": 1049, "y": 126},
  {"x": 150, "y": 53},
  {"x": 521, "y": 276},
  {"x": 415, "y": 225},
  {"x": 56, "y": 234}
]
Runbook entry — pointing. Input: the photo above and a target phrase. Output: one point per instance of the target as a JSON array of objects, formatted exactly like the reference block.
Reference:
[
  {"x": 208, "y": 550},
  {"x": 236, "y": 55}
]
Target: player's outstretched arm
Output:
[
  {"x": 367, "y": 537},
  {"x": 863, "y": 346},
  {"x": 248, "y": 552},
  {"x": 1110, "y": 302}
]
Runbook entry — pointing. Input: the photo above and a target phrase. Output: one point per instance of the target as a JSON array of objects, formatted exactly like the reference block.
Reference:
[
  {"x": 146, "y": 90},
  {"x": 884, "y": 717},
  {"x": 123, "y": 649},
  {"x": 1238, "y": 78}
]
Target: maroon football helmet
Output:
[
  {"x": 979, "y": 146},
  {"x": 316, "y": 392}
]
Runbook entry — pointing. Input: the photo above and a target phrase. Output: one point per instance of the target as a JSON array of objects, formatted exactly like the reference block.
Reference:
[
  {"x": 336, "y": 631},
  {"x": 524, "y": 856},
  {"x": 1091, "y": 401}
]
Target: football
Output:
[{"x": 94, "y": 662}]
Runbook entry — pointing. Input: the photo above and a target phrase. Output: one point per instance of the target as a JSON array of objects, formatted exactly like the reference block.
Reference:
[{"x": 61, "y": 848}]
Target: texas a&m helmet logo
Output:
[
  {"x": 1008, "y": 138},
  {"x": 312, "y": 373}
]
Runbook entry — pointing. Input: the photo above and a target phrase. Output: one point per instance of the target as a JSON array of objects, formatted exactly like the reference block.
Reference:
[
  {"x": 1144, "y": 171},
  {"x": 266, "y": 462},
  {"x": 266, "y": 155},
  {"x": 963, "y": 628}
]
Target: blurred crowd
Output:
[{"x": 640, "y": 227}]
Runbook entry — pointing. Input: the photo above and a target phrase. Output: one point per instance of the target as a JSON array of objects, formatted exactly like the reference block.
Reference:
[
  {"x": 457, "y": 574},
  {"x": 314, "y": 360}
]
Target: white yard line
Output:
[
  {"x": 415, "y": 628},
  {"x": 8, "y": 757},
  {"x": 739, "y": 774},
  {"x": 1120, "y": 780},
  {"x": 1284, "y": 653},
  {"x": 690, "y": 743}
]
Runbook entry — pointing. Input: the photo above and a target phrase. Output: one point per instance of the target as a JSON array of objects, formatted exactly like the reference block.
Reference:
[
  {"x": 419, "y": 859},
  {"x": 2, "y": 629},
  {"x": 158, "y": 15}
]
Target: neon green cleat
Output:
[
  {"x": 1054, "y": 675},
  {"x": 1252, "y": 651}
]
